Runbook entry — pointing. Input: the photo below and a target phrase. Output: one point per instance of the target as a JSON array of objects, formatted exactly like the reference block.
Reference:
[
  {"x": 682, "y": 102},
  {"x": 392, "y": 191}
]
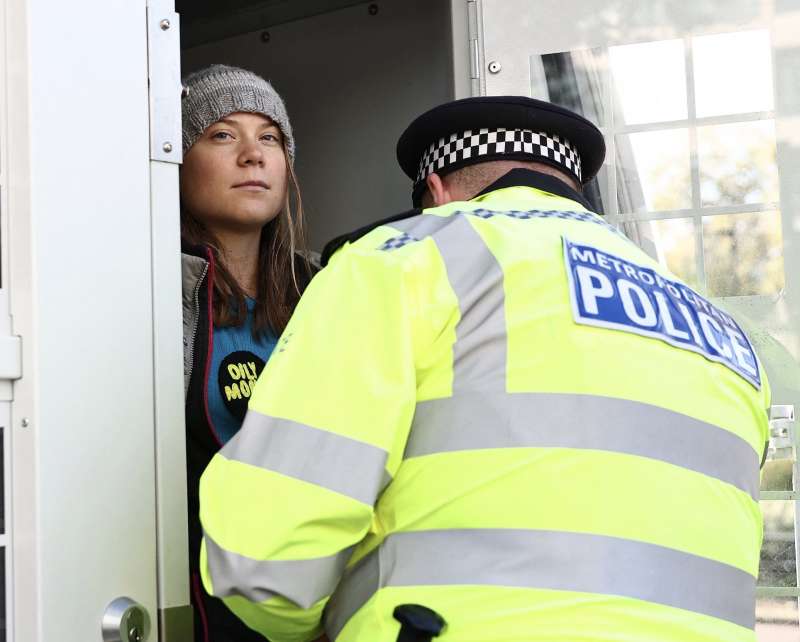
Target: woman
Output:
[{"x": 242, "y": 232}]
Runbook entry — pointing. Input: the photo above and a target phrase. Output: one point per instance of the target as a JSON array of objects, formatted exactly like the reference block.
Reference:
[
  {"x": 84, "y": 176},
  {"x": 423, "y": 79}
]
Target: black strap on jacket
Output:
[
  {"x": 518, "y": 177},
  {"x": 524, "y": 177},
  {"x": 418, "y": 623},
  {"x": 350, "y": 237}
]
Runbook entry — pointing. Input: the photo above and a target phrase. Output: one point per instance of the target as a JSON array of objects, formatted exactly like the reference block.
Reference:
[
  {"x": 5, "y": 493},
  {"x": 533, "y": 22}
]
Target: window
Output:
[{"x": 690, "y": 131}]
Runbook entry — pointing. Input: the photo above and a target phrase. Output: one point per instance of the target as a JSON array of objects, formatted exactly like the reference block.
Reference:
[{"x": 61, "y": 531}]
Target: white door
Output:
[
  {"x": 699, "y": 103},
  {"x": 87, "y": 225}
]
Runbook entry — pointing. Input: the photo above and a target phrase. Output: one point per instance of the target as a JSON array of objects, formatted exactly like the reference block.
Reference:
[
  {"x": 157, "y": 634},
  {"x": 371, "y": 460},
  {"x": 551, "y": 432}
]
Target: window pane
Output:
[
  {"x": 649, "y": 82},
  {"x": 573, "y": 79},
  {"x": 732, "y": 73},
  {"x": 777, "y": 566},
  {"x": 776, "y": 620},
  {"x": 653, "y": 171},
  {"x": 777, "y": 474},
  {"x": 676, "y": 244},
  {"x": 743, "y": 253},
  {"x": 738, "y": 163}
]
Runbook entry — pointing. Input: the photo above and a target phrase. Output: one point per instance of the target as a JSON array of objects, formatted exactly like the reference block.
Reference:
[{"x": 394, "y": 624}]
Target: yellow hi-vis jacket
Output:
[{"x": 505, "y": 411}]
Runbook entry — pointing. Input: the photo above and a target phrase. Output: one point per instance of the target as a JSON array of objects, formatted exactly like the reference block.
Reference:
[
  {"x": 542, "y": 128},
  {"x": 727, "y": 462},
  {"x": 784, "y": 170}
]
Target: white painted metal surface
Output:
[
  {"x": 80, "y": 284},
  {"x": 174, "y": 613},
  {"x": 173, "y": 559}
]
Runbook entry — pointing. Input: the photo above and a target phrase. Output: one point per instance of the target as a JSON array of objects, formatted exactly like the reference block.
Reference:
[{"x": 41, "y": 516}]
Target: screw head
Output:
[
  {"x": 164, "y": 24},
  {"x": 167, "y": 147},
  {"x": 372, "y": 9},
  {"x": 25, "y": 422},
  {"x": 184, "y": 91},
  {"x": 495, "y": 67},
  {"x": 265, "y": 37}
]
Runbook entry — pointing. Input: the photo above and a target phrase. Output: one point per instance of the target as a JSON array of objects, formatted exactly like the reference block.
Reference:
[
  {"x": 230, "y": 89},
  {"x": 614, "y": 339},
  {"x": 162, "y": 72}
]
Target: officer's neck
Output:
[{"x": 523, "y": 177}]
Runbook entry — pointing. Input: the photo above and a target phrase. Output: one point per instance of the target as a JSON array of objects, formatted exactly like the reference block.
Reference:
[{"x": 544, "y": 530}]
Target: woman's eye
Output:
[
  {"x": 221, "y": 135},
  {"x": 272, "y": 138}
]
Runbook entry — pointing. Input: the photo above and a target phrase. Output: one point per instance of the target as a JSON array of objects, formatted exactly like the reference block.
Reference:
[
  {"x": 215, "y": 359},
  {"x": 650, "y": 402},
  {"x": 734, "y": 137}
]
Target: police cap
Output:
[{"x": 475, "y": 130}]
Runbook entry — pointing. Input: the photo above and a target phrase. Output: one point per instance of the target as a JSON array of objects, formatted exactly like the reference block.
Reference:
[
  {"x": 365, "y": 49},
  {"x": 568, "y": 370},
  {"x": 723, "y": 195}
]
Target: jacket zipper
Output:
[{"x": 196, "y": 300}]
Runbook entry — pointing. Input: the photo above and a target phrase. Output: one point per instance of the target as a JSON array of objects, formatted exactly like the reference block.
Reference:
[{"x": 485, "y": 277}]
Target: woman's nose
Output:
[{"x": 251, "y": 154}]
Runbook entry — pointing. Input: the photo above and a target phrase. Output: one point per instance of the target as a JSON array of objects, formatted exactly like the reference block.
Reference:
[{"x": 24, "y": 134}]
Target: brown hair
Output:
[{"x": 283, "y": 267}]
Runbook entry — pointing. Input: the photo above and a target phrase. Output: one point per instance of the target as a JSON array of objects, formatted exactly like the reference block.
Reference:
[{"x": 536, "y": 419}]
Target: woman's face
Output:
[{"x": 234, "y": 176}]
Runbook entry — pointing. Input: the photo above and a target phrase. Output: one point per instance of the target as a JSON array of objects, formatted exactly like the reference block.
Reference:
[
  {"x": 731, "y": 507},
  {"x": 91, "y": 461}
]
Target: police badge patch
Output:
[{"x": 609, "y": 292}]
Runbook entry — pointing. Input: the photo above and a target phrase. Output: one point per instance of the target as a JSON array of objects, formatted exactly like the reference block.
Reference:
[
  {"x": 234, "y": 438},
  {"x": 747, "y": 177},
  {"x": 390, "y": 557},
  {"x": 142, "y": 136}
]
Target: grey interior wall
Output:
[{"x": 352, "y": 82}]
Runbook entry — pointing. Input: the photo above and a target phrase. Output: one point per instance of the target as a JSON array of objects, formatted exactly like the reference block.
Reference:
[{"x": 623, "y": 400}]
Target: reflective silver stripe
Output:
[
  {"x": 550, "y": 420},
  {"x": 479, "y": 352},
  {"x": 304, "y": 582},
  {"x": 338, "y": 463},
  {"x": 423, "y": 225},
  {"x": 550, "y": 560}
]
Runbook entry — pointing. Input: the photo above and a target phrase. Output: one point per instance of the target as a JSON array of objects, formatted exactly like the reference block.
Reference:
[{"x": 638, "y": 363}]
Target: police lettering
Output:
[{"x": 610, "y": 292}]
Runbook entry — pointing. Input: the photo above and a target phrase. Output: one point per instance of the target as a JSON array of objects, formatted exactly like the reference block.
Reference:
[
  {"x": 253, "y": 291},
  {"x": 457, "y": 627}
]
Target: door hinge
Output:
[
  {"x": 10, "y": 358},
  {"x": 164, "y": 82},
  {"x": 474, "y": 52}
]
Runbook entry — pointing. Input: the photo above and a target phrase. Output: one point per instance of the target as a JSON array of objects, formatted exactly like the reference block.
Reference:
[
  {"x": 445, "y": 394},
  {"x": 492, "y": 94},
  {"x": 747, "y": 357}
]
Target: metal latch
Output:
[
  {"x": 10, "y": 358},
  {"x": 781, "y": 437},
  {"x": 164, "y": 74},
  {"x": 125, "y": 621}
]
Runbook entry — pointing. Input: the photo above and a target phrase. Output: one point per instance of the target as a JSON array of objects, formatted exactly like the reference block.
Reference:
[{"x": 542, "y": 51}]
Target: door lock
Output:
[{"x": 125, "y": 621}]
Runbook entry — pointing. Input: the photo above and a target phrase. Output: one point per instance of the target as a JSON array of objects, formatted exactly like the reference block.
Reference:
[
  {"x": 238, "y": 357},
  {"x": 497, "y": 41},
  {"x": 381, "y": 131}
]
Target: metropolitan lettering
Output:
[{"x": 610, "y": 292}]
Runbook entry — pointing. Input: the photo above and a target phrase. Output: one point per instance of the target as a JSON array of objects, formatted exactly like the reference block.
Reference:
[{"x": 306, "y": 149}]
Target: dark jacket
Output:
[{"x": 213, "y": 622}]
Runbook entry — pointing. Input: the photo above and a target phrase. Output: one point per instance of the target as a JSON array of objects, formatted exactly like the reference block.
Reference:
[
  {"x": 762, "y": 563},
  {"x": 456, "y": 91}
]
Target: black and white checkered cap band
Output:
[{"x": 490, "y": 142}]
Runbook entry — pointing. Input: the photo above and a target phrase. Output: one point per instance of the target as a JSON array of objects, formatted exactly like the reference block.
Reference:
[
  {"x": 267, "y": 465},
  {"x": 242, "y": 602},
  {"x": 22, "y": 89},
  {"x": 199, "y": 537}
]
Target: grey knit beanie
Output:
[{"x": 216, "y": 91}]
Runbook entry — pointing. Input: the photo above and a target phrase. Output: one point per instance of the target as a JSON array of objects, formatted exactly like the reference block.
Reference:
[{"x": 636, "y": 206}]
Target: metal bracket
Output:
[
  {"x": 176, "y": 624},
  {"x": 10, "y": 358},
  {"x": 781, "y": 439},
  {"x": 164, "y": 74}
]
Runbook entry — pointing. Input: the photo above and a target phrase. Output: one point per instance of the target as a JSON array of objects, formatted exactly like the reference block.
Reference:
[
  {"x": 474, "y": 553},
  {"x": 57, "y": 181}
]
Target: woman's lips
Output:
[{"x": 252, "y": 186}]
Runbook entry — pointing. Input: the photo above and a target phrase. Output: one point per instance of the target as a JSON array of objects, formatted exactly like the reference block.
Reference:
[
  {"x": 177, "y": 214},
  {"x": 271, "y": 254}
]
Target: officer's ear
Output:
[{"x": 439, "y": 191}]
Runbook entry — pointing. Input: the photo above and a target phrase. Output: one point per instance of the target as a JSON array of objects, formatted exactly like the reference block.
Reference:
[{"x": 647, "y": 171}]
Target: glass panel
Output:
[
  {"x": 777, "y": 473},
  {"x": 732, "y": 73},
  {"x": 777, "y": 565},
  {"x": 743, "y": 253},
  {"x": 776, "y": 619},
  {"x": 596, "y": 191},
  {"x": 642, "y": 96},
  {"x": 676, "y": 244},
  {"x": 737, "y": 163},
  {"x": 573, "y": 79},
  {"x": 653, "y": 171}
]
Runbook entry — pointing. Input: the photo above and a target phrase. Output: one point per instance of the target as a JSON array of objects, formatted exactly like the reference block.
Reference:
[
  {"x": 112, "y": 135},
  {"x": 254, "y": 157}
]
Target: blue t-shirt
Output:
[{"x": 236, "y": 362}]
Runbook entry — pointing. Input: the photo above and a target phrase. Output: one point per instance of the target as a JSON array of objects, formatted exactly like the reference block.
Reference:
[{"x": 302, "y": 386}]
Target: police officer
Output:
[{"x": 500, "y": 409}]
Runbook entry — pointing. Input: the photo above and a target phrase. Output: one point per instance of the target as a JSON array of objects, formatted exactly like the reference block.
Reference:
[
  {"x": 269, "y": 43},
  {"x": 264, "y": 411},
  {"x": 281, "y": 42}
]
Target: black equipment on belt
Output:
[{"x": 418, "y": 623}]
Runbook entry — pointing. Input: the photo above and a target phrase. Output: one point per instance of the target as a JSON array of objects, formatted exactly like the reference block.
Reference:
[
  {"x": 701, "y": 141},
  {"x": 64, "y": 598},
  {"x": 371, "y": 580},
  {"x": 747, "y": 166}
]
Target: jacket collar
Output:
[{"x": 521, "y": 177}]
